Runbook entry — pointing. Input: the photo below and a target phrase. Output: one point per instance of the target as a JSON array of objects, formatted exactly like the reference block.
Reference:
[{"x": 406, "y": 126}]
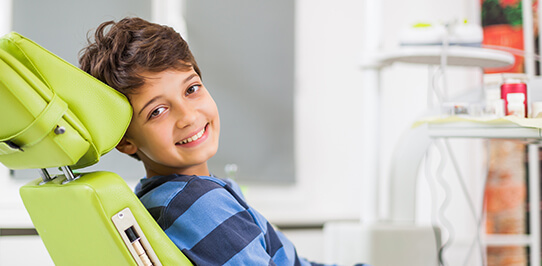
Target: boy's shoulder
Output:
[
  {"x": 147, "y": 185},
  {"x": 169, "y": 197},
  {"x": 160, "y": 190}
]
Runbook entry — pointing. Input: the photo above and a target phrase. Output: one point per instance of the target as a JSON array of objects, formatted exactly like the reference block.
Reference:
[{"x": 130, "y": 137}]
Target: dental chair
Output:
[{"x": 56, "y": 115}]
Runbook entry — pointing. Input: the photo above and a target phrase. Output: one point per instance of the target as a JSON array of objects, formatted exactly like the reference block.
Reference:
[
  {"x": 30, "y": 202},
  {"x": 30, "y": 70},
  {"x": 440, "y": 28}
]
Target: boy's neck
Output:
[{"x": 199, "y": 170}]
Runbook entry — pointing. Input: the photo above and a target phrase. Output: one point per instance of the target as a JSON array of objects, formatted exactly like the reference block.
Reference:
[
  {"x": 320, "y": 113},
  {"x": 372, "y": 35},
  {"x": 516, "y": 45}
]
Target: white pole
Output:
[
  {"x": 528, "y": 38},
  {"x": 539, "y": 13},
  {"x": 371, "y": 111},
  {"x": 528, "y": 44},
  {"x": 6, "y": 14},
  {"x": 171, "y": 13},
  {"x": 534, "y": 206}
]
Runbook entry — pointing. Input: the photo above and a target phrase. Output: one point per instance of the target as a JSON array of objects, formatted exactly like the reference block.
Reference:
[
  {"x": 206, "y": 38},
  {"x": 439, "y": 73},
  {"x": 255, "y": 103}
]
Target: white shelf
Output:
[
  {"x": 482, "y": 130},
  {"x": 456, "y": 56},
  {"x": 468, "y": 129},
  {"x": 507, "y": 240}
]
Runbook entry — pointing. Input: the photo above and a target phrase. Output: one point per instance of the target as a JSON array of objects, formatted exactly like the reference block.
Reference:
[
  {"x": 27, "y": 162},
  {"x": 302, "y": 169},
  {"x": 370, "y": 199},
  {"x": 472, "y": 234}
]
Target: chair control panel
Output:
[{"x": 135, "y": 240}]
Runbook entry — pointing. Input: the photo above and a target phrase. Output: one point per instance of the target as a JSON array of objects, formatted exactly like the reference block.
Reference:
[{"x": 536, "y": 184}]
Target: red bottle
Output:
[{"x": 514, "y": 94}]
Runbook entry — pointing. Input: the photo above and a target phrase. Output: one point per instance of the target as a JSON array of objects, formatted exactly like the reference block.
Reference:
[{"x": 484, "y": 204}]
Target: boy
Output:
[{"x": 174, "y": 131}]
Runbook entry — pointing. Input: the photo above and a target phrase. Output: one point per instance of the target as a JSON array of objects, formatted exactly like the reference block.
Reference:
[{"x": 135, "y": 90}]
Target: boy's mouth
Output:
[{"x": 193, "y": 138}]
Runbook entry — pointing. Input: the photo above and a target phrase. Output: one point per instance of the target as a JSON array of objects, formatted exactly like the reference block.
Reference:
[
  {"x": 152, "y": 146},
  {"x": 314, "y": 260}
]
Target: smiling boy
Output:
[
  {"x": 175, "y": 127},
  {"x": 174, "y": 131}
]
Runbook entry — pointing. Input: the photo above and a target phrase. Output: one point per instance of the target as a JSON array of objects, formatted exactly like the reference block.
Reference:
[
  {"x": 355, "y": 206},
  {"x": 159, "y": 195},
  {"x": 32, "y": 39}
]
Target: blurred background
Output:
[{"x": 306, "y": 130}]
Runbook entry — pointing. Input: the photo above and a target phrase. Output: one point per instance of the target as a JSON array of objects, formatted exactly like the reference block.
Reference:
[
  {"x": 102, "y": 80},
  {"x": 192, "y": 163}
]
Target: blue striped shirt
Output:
[{"x": 210, "y": 222}]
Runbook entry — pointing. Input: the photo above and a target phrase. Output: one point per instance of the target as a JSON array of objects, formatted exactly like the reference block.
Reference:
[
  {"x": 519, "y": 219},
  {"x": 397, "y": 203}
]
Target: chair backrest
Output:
[
  {"x": 40, "y": 92},
  {"x": 56, "y": 115}
]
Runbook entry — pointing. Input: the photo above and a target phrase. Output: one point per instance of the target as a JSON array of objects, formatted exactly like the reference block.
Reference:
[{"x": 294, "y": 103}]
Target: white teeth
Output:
[{"x": 193, "y": 138}]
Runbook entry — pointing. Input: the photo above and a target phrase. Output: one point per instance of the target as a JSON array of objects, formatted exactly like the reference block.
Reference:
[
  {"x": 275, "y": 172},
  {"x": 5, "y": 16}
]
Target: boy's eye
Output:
[
  {"x": 192, "y": 89},
  {"x": 156, "y": 112}
]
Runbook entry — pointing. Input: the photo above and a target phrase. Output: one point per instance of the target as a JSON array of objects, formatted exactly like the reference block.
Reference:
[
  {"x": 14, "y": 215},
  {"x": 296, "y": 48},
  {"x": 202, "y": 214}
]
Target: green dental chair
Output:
[{"x": 55, "y": 115}]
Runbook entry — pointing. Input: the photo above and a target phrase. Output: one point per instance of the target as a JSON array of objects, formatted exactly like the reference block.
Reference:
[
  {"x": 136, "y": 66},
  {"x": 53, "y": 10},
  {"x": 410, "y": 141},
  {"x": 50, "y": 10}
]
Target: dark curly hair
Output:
[{"x": 120, "y": 51}]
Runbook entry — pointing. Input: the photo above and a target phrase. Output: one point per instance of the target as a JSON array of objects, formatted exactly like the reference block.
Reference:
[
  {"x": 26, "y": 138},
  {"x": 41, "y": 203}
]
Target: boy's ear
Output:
[{"x": 126, "y": 146}]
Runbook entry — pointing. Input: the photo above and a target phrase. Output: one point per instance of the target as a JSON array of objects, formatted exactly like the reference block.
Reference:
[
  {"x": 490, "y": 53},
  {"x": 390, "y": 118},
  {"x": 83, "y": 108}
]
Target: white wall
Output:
[
  {"x": 13, "y": 214},
  {"x": 329, "y": 90},
  {"x": 328, "y": 125},
  {"x": 5, "y": 16}
]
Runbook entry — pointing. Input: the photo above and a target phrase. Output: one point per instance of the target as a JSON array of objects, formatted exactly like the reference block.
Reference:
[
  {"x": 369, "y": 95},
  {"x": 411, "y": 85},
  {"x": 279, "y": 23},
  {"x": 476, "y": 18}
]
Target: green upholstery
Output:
[
  {"x": 75, "y": 221},
  {"x": 55, "y": 115},
  {"x": 40, "y": 91}
]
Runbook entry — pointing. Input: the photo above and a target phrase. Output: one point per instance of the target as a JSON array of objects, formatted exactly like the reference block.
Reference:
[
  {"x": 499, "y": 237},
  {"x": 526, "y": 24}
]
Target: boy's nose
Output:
[{"x": 185, "y": 115}]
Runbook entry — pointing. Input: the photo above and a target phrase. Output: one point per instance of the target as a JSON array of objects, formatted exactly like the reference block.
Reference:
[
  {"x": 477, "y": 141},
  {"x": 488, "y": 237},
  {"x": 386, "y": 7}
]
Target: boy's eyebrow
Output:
[
  {"x": 190, "y": 77},
  {"x": 148, "y": 103},
  {"x": 157, "y": 97}
]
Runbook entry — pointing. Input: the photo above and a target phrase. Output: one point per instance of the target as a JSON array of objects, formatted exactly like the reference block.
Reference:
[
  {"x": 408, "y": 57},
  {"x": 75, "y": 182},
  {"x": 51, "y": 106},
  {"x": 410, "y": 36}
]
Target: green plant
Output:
[{"x": 502, "y": 12}]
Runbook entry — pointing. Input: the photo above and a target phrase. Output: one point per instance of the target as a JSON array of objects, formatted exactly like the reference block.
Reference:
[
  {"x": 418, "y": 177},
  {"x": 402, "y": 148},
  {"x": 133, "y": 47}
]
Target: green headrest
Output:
[{"x": 52, "y": 113}]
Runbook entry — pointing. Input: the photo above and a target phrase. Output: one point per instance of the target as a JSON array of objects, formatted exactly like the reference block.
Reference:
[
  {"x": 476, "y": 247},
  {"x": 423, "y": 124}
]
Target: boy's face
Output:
[{"x": 175, "y": 126}]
